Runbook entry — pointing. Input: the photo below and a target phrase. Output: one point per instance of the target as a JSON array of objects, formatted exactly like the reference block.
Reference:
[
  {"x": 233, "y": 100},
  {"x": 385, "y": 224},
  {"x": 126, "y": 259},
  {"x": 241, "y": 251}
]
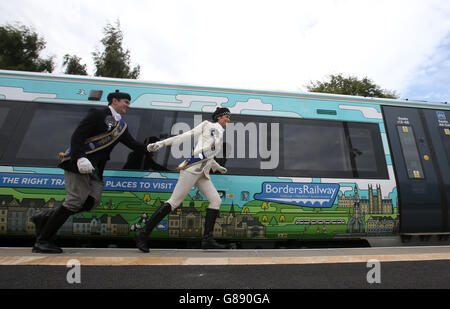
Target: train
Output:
[{"x": 301, "y": 166}]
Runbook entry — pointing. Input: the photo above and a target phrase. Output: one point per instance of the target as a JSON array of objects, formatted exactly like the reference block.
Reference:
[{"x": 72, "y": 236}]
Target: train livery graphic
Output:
[{"x": 300, "y": 166}]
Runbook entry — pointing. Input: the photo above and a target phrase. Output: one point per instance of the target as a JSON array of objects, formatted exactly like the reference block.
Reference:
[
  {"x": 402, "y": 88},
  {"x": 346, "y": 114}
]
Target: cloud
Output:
[
  {"x": 254, "y": 44},
  {"x": 430, "y": 79}
]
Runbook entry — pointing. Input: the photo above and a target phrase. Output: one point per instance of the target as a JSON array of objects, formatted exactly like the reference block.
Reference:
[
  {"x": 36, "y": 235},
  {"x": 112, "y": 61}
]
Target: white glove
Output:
[
  {"x": 85, "y": 166},
  {"x": 155, "y": 146},
  {"x": 221, "y": 169}
]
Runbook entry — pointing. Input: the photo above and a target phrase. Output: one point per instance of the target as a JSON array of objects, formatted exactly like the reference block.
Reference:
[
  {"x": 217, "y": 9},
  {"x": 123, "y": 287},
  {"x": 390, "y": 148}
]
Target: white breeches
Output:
[{"x": 185, "y": 183}]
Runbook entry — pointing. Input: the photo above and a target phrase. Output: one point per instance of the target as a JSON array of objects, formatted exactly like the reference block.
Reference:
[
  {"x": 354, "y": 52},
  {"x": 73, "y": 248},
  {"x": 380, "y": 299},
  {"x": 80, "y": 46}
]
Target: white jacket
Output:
[{"x": 209, "y": 134}]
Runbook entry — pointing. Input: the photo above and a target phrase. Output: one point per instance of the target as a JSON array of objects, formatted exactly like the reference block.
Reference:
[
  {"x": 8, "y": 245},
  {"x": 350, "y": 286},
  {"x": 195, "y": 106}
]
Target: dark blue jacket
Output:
[{"x": 92, "y": 125}]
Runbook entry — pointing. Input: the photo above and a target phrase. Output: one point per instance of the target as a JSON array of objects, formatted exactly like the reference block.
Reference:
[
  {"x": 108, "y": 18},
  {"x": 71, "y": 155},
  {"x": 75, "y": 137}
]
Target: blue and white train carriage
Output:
[{"x": 300, "y": 165}]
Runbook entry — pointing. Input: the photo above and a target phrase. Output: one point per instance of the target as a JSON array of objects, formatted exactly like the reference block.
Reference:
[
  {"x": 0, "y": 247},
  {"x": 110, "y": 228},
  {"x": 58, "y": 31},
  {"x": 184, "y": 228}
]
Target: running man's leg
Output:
[{"x": 184, "y": 185}]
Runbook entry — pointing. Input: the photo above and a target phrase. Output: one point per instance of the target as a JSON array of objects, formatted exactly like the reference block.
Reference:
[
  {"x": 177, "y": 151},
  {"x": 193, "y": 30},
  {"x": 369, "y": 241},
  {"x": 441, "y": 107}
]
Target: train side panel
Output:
[{"x": 348, "y": 190}]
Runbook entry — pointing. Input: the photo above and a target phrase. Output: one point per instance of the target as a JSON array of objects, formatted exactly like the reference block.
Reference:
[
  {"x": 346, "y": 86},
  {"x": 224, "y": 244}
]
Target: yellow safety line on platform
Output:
[{"x": 139, "y": 261}]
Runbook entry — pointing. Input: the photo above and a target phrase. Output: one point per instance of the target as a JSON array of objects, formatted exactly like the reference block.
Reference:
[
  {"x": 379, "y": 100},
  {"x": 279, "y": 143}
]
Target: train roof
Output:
[{"x": 142, "y": 83}]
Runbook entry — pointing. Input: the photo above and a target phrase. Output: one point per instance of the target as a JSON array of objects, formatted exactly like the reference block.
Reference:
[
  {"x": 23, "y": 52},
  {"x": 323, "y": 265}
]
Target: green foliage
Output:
[
  {"x": 157, "y": 202},
  {"x": 73, "y": 65},
  {"x": 114, "y": 61},
  {"x": 273, "y": 221},
  {"x": 20, "y": 47},
  {"x": 338, "y": 84}
]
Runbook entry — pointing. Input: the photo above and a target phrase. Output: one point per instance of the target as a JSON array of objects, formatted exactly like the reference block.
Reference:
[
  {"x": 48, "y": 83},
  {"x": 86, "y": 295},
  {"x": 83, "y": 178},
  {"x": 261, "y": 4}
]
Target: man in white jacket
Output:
[{"x": 193, "y": 172}]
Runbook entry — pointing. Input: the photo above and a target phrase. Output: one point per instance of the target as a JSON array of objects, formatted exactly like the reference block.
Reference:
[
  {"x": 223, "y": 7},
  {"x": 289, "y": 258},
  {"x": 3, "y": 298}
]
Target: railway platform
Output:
[
  {"x": 129, "y": 257},
  {"x": 416, "y": 267}
]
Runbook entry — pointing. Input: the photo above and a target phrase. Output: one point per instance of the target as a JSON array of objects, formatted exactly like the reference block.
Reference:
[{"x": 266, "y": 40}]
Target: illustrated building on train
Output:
[
  {"x": 377, "y": 225},
  {"x": 239, "y": 226},
  {"x": 15, "y": 218},
  {"x": 188, "y": 222},
  {"x": 104, "y": 225},
  {"x": 185, "y": 222},
  {"x": 3, "y": 219},
  {"x": 375, "y": 204}
]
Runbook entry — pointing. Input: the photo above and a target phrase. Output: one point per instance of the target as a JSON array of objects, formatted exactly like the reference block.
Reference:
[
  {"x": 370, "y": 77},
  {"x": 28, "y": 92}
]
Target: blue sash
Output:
[
  {"x": 98, "y": 142},
  {"x": 197, "y": 158},
  {"x": 194, "y": 159}
]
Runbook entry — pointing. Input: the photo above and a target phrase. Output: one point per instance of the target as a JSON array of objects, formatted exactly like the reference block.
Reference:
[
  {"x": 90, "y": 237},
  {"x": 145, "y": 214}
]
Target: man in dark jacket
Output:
[{"x": 83, "y": 164}]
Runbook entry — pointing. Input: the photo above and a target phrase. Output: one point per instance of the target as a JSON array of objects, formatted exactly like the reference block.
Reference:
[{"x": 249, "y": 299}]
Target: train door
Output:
[
  {"x": 420, "y": 165},
  {"x": 438, "y": 126}
]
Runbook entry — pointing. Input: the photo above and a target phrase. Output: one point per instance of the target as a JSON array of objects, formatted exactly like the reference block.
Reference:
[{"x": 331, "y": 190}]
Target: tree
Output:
[
  {"x": 157, "y": 202},
  {"x": 114, "y": 61},
  {"x": 273, "y": 221},
  {"x": 147, "y": 198},
  {"x": 20, "y": 47},
  {"x": 73, "y": 65},
  {"x": 339, "y": 84},
  {"x": 264, "y": 206}
]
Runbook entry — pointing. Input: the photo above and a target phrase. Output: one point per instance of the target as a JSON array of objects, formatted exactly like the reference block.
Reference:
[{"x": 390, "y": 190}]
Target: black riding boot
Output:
[
  {"x": 40, "y": 220},
  {"x": 44, "y": 243},
  {"x": 141, "y": 236},
  {"x": 208, "y": 241}
]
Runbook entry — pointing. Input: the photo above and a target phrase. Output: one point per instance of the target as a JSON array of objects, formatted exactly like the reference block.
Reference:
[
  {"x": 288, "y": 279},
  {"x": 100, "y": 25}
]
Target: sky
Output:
[{"x": 401, "y": 45}]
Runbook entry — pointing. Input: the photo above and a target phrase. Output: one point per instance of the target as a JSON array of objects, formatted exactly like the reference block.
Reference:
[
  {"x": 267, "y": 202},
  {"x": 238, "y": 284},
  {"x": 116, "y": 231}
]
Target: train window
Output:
[
  {"x": 164, "y": 125},
  {"x": 249, "y": 146},
  {"x": 333, "y": 149},
  {"x": 366, "y": 150},
  {"x": 47, "y": 129},
  {"x": 48, "y": 133},
  {"x": 4, "y": 110},
  {"x": 253, "y": 145},
  {"x": 122, "y": 156},
  {"x": 157, "y": 125},
  {"x": 10, "y": 114},
  {"x": 316, "y": 148},
  {"x": 410, "y": 152},
  {"x": 239, "y": 152},
  {"x": 257, "y": 145}
]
